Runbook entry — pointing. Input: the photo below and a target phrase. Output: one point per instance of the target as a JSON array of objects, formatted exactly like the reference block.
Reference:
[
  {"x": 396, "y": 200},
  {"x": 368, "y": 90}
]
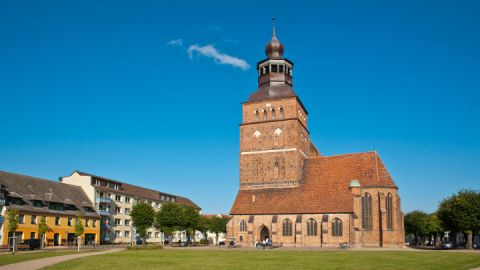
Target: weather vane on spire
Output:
[{"x": 273, "y": 25}]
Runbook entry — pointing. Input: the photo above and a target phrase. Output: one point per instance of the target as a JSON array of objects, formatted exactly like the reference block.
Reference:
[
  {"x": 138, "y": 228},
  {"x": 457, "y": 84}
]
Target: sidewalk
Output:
[{"x": 40, "y": 263}]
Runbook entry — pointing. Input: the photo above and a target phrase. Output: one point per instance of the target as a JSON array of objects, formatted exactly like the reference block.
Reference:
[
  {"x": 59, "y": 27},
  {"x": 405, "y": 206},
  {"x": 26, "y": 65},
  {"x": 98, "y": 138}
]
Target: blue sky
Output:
[{"x": 111, "y": 88}]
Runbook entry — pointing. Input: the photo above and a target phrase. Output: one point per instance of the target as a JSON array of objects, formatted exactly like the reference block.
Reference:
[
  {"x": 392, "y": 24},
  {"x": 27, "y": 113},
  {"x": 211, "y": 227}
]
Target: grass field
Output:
[
  {"x": 274, "y": 259},
  {"x": 27, "y": 256}
]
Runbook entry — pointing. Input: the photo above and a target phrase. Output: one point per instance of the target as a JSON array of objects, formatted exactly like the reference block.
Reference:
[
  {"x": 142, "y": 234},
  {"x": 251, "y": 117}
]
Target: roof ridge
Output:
[{"x": 38, "y": 178}]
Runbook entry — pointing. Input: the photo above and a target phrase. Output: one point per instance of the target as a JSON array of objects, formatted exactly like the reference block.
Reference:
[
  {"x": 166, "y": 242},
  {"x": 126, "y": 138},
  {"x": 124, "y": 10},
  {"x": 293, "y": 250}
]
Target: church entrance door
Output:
[{"x": 264, "y": 233}]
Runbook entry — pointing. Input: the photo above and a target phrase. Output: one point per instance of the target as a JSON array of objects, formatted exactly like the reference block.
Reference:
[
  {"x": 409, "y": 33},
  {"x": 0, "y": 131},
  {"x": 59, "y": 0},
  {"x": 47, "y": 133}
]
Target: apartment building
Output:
[
  {"x": 59, "y": 203},
  {"x": 114, "y": 200}
]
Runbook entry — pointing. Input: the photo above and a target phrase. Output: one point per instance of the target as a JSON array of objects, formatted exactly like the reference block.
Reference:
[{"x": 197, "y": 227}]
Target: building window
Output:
[
  {"x": 243, "y": 226},
  {"x": 69, "y": 221},
  {"x": 118, "y": 221},
  {"x": 389, "y": 206},
  {"x": 117, "y": 234},
  {"x": 280, "y": 69},
  {"x": 32, "y": 235},
  {"x": 127, "y": 222},
  {"x": 127, "y": 233},
  {"x": 274, "y": 68},
  {"x": 149, "y": 234},
  {"x": 282, "y": 113},
  {"x": 116, "y": 186},
  {"x": 127, "y": 199},
  {"x": 241, "y": 238},
  {"x": 97, "y": 182},
  {"x": 21, "y": 218},
  {"x": 287, "y": 227},
  {"x": 276, "y": 168},
  {"x": 127, "y": 211},
  {"x": 311, "y": 227},
  {"x": 265, "y": 115},
  {"x": 157, "y": 234},
  {"x": 118, "y": 198},
  {"x": 257, "y": 116},
  {"x": 337, "y": 226},
  {"x": 273, "y": 114},
  {"x": 367, "y": 212},
  {"x": 86, "y": 222},
  {"x": 57, "y": 221},
  {"x": 118, "y": 210},
  {"x": 94, "y": 223},
  {"x": 34, "y": 219}
]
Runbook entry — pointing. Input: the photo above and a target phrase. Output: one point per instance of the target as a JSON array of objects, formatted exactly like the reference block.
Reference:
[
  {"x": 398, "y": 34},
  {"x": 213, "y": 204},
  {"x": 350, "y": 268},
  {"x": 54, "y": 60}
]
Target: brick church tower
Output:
[{"x": 274, "y": 139}]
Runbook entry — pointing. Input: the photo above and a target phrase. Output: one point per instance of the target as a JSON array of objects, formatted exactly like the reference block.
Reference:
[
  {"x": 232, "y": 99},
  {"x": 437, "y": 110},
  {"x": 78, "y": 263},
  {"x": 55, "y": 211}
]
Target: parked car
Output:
[{"x": 447, "y": 245}]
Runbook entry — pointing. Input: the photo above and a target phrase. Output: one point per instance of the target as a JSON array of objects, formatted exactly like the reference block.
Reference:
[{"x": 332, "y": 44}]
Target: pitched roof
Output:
[
  {"x": 30, "y": 188},
  {"x": 323, "y": 189},
  {"x": 140, "y": 192},
  {"x": 273, "y": 90}
]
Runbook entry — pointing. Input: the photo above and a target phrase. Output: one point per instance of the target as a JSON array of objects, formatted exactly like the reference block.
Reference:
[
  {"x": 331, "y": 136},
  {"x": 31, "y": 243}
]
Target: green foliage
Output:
[
  {"x": 143, "y": 216},
  {"x": 203, "y": 225},
  {"x": 12, "y": 218},
  {"x": 422, "y": 224},
  {"x": 42, "y": 226},
  {"x": 218, "y": 225},
  {"x": 79, "y": 229},
  {"x": 461, "y": 212}
]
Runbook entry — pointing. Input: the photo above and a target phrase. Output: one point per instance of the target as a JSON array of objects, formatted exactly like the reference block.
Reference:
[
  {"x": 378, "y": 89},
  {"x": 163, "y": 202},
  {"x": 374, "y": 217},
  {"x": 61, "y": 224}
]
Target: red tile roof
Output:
[{"x": 324, "y": 189}]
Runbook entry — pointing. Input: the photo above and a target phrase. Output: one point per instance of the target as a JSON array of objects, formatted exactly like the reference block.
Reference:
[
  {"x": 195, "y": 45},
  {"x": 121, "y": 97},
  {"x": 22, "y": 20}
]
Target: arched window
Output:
[
  {"x": 337, "y": 226},
  {"x": 367, "y": 212},
  {"x": 277, "y": 137},
  {"x": 273, "y": 114},
  {"x": 241, "y": 238},
  {"x": 257, "y": 139},
  {"x": 243, "y": 226},
  {"x": 311, "y": 227},
  {"x": 282, "y": 113},
  {"x": 276, "y": 168},
  {"x": 265, "y": 115},
  {"x": 287, "y": 227},
  {"x": 389, "y": 206},
  {"x": 257, "y": 116}
]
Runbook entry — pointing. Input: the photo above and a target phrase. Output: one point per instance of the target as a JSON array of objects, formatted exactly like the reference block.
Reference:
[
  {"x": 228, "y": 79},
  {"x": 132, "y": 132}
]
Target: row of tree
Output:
[
  {"x": 173, "y": 217},
  {"x": 459, "y": 213},
  {"x": 13, "y": 221}
]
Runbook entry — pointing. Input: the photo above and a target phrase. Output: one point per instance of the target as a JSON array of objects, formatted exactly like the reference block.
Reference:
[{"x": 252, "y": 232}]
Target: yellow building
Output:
[{"x": 59, "y": 203}]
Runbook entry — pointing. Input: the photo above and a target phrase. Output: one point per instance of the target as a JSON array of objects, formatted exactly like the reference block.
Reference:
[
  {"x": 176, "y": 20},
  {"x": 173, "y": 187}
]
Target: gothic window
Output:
[
  {"x": 367, "y": 212},
  {"x": 287, "y": 227},
  {"x": 277, "y": 138},
  {"x": 241, "y": 238},
  {"x": 273, "y": 114},
  {"x": 265, "y": 115},
  {"x": 257, "y": 139},
  {"x": 282, "y": 168},
  {"x": 311, "y": 227},
  {"x": 389, "y": 206},
  {"x": 257, "y": 116},
  {"x": 276, "y": 168},
  {"x": 243, "y": 226},
  {"x": 337, "y": 227},
  {"x": 282, "y": 114}
]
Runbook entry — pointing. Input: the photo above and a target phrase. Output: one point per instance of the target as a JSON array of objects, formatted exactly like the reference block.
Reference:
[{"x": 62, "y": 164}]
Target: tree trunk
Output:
[
  {"x": 469, "y": 240},
  {"x": 78, "y": 243}
]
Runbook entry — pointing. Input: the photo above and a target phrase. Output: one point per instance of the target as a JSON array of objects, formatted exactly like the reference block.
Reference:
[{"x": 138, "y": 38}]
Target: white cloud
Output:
[
  {"x": 221, "y": 58},
  {"x": 175, "y": 42}
]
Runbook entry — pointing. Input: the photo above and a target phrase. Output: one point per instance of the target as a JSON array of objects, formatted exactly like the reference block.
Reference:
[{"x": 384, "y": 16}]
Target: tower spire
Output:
[{"x": 273, "y": 26}]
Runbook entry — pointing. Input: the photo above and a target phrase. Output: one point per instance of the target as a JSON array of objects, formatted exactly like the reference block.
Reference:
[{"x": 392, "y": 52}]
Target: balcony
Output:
[
  {"x": 104, "y": 200},
  {"x": 103, "y": 213}
]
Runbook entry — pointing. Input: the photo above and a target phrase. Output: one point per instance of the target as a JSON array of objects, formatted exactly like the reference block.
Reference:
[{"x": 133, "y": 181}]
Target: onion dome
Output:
[{"x": 274, "y": 49}]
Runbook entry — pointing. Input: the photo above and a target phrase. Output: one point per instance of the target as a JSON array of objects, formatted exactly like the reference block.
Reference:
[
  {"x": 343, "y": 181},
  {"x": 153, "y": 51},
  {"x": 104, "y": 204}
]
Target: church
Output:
[{"x": 292, "y": 194}]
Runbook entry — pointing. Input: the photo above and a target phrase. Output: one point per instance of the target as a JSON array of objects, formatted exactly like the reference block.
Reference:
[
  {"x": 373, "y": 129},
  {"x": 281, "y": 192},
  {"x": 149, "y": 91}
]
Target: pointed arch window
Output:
[
  {"x": 257, "y": 115},
  {"x": 312, "y": 227},
  {"x": 389, "y": 206},
  {"x": 277, "y": 137},
  {"x": 337, "y": 226},
  {"x": 276, "y": 168},
  {"x": 243, "y": 226},
  {"x": 282, "y": 113},
  {"x": 287, "y": 227},
  {"x": 265, "y": 115},
  {"x": 273, "y": 114},
  {"x": 367, "y": 212}
]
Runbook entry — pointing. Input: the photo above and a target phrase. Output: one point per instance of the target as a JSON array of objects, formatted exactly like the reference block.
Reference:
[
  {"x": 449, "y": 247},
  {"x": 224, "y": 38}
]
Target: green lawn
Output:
[
  {"x": 274, "y": 259},
  {"x": 26, "y": 256}
]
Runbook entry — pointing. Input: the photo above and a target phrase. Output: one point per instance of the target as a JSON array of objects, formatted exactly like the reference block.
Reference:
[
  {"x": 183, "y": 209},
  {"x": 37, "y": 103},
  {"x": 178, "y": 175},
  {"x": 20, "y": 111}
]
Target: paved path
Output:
[{"x": 40, "y": 263}]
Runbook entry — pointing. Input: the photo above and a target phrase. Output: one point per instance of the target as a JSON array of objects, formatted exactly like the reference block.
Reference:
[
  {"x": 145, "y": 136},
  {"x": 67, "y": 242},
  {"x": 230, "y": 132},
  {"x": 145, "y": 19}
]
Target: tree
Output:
[
  {"x": 218, "y": 225},
  {"x": 143, "y": 216},
  {"x": 42, "y": 230},
  {"x": 79, "y": 229},
  {"x": 191, "y": 219},
  {"x": 421, "y": 225},
  {"x": 169, "y": 219},
  {"x": 12, "y": 219},
  {"x": 461, "y": 213},
  {"x": 203, "y": 225}
]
